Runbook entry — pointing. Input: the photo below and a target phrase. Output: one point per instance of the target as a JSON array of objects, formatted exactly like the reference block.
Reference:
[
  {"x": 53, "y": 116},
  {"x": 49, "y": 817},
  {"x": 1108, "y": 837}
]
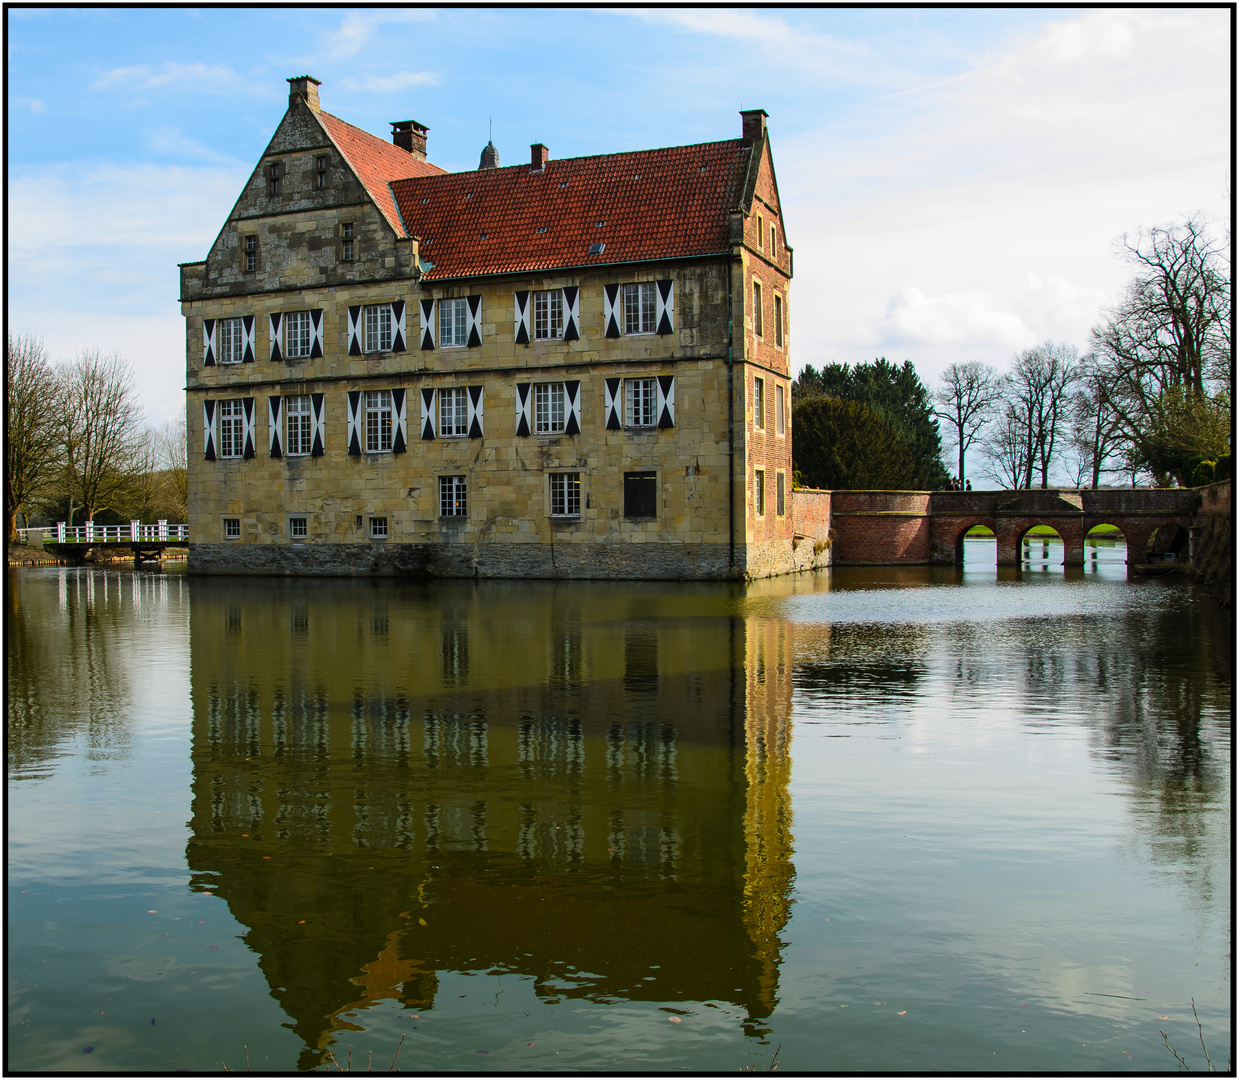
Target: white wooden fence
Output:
[{"x": 90, "y": 533}]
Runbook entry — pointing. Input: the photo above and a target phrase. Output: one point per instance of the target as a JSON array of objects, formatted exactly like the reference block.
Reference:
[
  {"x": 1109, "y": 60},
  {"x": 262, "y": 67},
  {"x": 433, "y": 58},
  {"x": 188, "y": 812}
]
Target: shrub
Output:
[{"x": 1203, "y": 474}]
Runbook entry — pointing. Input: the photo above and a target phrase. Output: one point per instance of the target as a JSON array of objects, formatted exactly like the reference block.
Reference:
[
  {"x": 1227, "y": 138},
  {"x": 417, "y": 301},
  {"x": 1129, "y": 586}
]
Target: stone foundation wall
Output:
[{"x": 1212, "y": 551}]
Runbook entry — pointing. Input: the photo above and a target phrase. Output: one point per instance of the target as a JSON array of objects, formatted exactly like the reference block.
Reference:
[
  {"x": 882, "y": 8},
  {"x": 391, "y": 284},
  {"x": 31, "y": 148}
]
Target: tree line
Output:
[
  {"x": 1150, "y": 398},
  {"x": 76, "y": 445}
]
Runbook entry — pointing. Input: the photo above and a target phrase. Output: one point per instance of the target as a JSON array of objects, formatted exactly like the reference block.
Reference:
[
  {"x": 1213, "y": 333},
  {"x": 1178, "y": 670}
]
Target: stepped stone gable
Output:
[{"x": 518, "y": 371}]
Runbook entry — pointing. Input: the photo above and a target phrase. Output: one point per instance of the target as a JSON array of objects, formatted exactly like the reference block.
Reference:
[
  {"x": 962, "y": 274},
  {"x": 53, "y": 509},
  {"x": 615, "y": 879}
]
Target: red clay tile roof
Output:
[
  {"x": 650, "y": 204},
  {"x": 376, "y": 163}
]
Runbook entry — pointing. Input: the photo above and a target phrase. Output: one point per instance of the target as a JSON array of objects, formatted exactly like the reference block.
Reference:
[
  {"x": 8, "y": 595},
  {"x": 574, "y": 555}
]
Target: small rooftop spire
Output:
[{"x": 490, "y": 157}]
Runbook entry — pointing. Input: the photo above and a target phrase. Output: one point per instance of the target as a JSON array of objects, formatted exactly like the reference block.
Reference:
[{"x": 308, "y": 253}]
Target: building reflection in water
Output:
[{"x": 588, "y": 786}]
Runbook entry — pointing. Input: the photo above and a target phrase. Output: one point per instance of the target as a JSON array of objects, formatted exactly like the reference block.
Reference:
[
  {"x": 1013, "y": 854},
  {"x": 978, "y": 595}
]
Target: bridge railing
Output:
[{"x": 134, "y": 532}]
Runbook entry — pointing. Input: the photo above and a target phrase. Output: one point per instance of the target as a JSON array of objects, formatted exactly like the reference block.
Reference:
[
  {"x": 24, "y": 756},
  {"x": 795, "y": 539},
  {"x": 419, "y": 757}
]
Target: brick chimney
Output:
[
  {"x": 753, "y": 125},
  {"x": 304, "y": 88},
  {"x": 410, "y": 136},
  {"x": 539, "y": 155}
]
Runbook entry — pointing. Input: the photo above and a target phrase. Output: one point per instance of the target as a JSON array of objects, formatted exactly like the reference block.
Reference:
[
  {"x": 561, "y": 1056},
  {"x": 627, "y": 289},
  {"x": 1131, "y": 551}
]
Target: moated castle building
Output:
[{"x": 575, "y": 368}]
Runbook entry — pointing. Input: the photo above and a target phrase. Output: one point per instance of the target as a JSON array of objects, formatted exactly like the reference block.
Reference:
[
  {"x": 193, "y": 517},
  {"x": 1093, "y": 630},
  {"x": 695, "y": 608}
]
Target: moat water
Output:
[{"x": 868, "y": 820}]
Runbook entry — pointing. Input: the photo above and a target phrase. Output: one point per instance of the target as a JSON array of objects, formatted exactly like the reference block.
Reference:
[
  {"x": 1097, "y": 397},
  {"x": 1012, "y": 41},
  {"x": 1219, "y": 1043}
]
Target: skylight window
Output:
[{"x": 597, "y": 249}]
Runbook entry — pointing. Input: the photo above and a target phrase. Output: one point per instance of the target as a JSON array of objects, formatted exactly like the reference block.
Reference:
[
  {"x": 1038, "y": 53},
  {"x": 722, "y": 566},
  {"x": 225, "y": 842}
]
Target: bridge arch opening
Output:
[
  {"x": 982, "y": 546},
  {"x": 1041, "y": 549},
  {"x": 1104, "y": 545},
  {"x": 1167, "y": 543}
]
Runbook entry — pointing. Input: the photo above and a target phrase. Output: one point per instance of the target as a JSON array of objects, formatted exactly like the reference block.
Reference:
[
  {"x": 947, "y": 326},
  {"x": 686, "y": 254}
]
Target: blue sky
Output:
[{"x": 953, "y": 180}]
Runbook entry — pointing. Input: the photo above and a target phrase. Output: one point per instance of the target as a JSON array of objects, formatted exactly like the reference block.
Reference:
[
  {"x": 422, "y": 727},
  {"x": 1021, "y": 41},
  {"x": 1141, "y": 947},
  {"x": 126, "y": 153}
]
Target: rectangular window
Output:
[
  {"x": 639, "y": 308},
  {"x": 298, "y": 528},
  {"x": 548, "y": 314},
  {"x": 778, "y": 320},
  {"x": 378, "y": 328},
  {"x": 232, "y": 528},
  {"x": 230, "y": 339},
  {"x": 298, "y": 425},
  {"x": 452, "y": 322},
  {"x": 346, "y": 241},
  {"x": 298, "y": 334},
  {"x": 378, "y": 422},
  {"x": 759, "y": 404},
  {"x": 273, "y": 179},
  {"x": 640, "y": 494},
  {"x": 774, "y": 242},
  {"x": 231, "y": 429},
  {"x": 757, "y": 329},
  {"x": 320, "y": 173},
  {"x": 780, "y": 504},
  {"x": 548, "y": 408},
  {"x": 761, "y": 226},
  {"x": 378, "y": 528},
  {"x": 759, "y": 492},
  {"x": 780, "y": 421},
  {"x": 452, "y": 496},
  {"x": 566, "y": 494},
  {"x": 251, "y": 252},
  {"x": 640, "y": 402},
  {"x": 453, "y": 412}
]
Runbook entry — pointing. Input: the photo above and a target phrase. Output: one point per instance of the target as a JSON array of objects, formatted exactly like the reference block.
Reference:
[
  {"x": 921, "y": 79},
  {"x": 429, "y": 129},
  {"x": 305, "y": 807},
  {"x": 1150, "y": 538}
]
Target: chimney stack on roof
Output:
[
  {"x": 539, "y": 155},
  {"x": 304, "y": 88},
  {"x": 753, "y": 124},
  {"x": 410, "y": 136}
]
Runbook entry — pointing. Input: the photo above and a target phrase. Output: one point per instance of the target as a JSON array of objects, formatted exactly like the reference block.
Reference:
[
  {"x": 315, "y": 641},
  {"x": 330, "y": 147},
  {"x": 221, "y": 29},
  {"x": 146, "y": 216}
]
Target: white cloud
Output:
[
  {"x": 203, "y": 77},
  {"x": 973, "y": 318},
  {"x": 356, "y": 29},
  {"x": 386, "y": 84},
  {"x": 172, "y": 141}
]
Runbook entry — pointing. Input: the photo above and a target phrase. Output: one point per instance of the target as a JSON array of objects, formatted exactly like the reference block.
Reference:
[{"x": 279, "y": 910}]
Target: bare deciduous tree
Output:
[
  {"x": 1168, "y": 346},
  {"x": 1006, "y": 450},
  {"x": 966, "y": 401},
  {"x": 33, "y": 435},
  {"x": 103, "y": 430},
  {"x": 1037, "y": 389},
  {"x": 172, "y": 460},
  {"x": 1095, "y": 439}
]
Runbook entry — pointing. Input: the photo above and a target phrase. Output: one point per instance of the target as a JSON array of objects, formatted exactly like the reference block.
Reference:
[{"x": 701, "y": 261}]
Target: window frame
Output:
[
  {"x": 305, "y": 331},
  {"x": 640, "y": 289},
  {"x": 759, "y": 403},
  {"x": 378, "y": 407},
  {"x": 549, "y": 387},
  {"x": 632, "y": 512},
  {"x": 780, "y": 494},
  {"x": 780, "y": 409},
  {"x": 459, "y": 336},
  {"x": 305, "y": 436},
  {"x": 774, "y": 241},
  {"x": 778, "y": 321},
  {"x": 453, "y": 496},
  {"x": 250, "y": 248},
  {"x": 459, "y": 428},
  {"x": 382, "y": 314},
  {"x": 347, "y": 241},
  {"x": 759, "y": 492},
  {"x": 232, "y": 528},
  {"x": 224, "y": 331},
  {"x": 378, "y": 528},
  {"x": 275, "y": 173},
  {"x": 293, "y": 521},
  {"x": 548, "y": 299},
  {"x": 568, "y": 497},
  {"x": 652, "y": 402},
  {"x": 758, "y": 326},
  {"x": 761, "y": 229},
  {"x": 321, "y": 162},
  {"x": 231, "y": 410}
]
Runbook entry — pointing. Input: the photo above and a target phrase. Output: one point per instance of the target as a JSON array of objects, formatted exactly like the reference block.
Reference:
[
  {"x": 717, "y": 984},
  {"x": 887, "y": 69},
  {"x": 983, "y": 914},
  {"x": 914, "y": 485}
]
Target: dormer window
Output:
[
  {"x": 274, "y": 174},
  {"x": 320, "y": 173}
]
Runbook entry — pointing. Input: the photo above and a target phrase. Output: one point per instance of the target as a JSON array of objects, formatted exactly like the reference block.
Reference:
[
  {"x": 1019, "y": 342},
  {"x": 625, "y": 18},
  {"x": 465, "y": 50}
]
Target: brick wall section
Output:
[{"x": 877, "y": 528}]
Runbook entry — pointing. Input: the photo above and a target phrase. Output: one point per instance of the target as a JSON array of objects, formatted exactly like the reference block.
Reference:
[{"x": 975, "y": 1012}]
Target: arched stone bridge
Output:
[{"x": 918, "y": 527}]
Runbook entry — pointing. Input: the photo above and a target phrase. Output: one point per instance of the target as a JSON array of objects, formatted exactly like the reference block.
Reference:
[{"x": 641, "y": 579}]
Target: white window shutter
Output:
[
  {"x": 612, "y": 403},
  {"x": 277, "y": 321},
  {"x": 428, "y": 414},
  {"x": 249, "y": 335},
  {"x": 398, "y": 411},
  {"x": 316, "y": 319},
  {"x": 354, "y": 332},
  {"x": 247, "y": 411},
  {"x": 473, "y": 321},
  {"x": 610, "y": 318},
  {"x": 354, "y": 422},
  {"x": 664, "y": 307},
  {"x": 475, "y": 412},
  {"x": 208, "y": 344},
  {"x": 429, "y": 326},
  {"x": 522, "y": 318},
  {"x": 572, "y": 396},
  {"x": 666, "y": 401},
  {"x": 524, "y": 404},
  {"x": 318, "y": 427},
  {"x": 572, "y": 313},
  {"x": 208, "y": 430},
  {"x": 397, "y": 326},
  {"x": 275, "y": 425}
]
